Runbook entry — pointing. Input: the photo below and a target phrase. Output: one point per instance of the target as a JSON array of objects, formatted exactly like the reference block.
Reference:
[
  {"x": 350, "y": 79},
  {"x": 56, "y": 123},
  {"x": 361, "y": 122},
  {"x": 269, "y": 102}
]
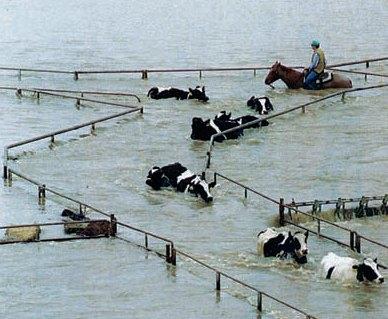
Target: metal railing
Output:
[
  {"x": 170, "y": 254},
  {"x": 144, "y": 72},
  {"x": 81, "y": 92},
  {"x": 302, "y": 106},
  {"x": 355, "y": 238},
  {"x": 53, "y": 134},
  {"x": 260, "y": 293}
]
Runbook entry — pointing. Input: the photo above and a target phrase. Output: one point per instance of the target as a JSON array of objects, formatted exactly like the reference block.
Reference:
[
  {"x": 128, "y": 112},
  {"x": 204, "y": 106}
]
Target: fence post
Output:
[
  {"x": 20, "y": 74},
  {"x": 144, "y": 75},
  {"x": 319, "y": 227},
  {"x": 146, "y": 240},
  {"x": 303, "y": 109},
  {"x": 351, "y": 240},
  {"x": 173, "y": 256},
  {"x": 281, "y": 212},
  {"x": 343, "y": 97},
  {"x": 245, "y": 193},
  {"x": 367, "y": 64},
  {"x": 113, "y": 225},
  {"x": 200, "y": 74},
  {"x": 259, "y": 302},
  {"x": 215, "y": 178},
  {"x": 254, "y": 72},
  {"x": 358, "y": 243},
  {"x": 208, "y": 159},
  {"x": 75, "y": 76},
  {"x": 52, "y": 138},
  {"x": 93, "y": 128},
  {"x": 5, "y": 172},
  {"x": 218, "y": 281},
  {"x": 168, "y": 253}
]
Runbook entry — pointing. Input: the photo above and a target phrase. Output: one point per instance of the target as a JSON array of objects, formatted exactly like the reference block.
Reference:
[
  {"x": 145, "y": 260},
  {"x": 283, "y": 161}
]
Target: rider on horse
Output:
[{"x": 316, "y": 68}]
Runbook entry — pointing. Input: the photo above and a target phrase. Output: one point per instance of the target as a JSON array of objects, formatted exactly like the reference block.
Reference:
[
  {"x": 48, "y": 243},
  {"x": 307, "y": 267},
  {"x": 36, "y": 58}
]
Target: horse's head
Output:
[{"x": 273, "y": 74}]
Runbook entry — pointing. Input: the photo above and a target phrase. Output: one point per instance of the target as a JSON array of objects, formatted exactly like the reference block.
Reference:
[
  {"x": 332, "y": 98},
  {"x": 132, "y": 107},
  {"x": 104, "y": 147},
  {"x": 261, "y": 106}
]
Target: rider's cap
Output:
[{"x": 315, "y": 43}]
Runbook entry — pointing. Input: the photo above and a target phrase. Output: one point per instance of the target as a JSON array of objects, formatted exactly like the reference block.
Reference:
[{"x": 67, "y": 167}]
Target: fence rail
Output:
[
  {"x": 220, "y": 273},
  {"x": 171, "y": 251},
  {"x": 144, "y": 72},
  {"x": 81, "y": 92},
  {"x": 355, "y": 238},
  {"x": 302, "y": 106}
]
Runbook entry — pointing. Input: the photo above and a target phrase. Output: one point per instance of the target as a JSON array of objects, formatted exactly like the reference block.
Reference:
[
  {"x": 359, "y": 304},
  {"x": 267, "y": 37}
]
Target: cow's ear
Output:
[
  {"x": 355, "y": 266},
  {"x": 191, "y": 90},
  {"x": 375, "y": 260},
  {"x": 203, "y": 89},
  {"x": 289, "y": 234}
]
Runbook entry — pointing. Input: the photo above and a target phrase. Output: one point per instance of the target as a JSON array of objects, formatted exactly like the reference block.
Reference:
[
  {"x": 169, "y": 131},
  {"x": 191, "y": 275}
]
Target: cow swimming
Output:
[
  {"x": 204, "y": 129},
  {"x": 198, "y": 93},
  {"x": 350, "y": 269},
  {"x": 179, "y": 177},
  {"x": 260, "y": 104},
  {"x": 283, "y": 245}
]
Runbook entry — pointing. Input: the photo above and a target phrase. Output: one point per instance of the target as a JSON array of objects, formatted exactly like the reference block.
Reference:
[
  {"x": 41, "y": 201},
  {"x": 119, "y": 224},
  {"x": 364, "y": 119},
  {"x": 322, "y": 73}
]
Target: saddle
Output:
[{"x": 324, "y": 77}]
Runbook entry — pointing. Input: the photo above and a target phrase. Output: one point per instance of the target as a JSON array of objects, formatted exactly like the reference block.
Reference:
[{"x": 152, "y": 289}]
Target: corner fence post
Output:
[
  {"x": 218, "y": 281},
  {"x": 75, "y": 76},
  {"x": 113, "y": 225},
  {"x": 281, "y": 212},
  {"x": 358, "y": 243},
  {"x": 173, "y": 256},
  {"x": 259, "y": 302},
  {"x": 168, "y": 253},
  {"x": 144, "y": 75}
]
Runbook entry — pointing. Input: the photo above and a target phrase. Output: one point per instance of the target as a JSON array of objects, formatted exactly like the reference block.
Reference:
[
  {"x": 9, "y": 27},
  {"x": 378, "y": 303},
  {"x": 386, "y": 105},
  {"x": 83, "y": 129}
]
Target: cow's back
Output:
[{"x": 337, "y": 267}]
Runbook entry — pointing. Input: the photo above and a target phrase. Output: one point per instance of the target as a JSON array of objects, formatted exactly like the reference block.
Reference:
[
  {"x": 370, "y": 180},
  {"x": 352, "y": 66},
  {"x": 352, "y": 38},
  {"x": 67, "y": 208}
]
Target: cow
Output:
[
  {"x": 260, "y": 104},
  {"x": 198, "y": 93},
  {"x": 179, "y": 177},
  {"x": 204, "y": 129},
  {"x": 223, "y": 116},
  {"x": 96, "y": 228},
  {"x": 283, "y": 245},
  {"x": 349, "y": 269},
  {"x": 70, "y": 216}
]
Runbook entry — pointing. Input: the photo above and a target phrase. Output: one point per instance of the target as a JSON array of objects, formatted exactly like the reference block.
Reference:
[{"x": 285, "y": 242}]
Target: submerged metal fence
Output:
[
  {"x": 302, "y": 106},
  {"x": 144, "y": 72},
  {"x": 354, "y": 237}
]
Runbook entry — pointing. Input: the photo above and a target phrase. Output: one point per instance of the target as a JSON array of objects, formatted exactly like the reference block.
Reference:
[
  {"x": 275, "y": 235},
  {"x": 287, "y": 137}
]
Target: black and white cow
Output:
[
  {"x": 349, "y": 269},
  {"x": 203, "y": 129},
  {"x": 282, "y": 244},
  {"x": 260, "y": 104},
  {"x": 166, "y": 93},
  {"x": 72, "y": 215},
  {"x": 223, "y": 116},
  {"x": 181, "y": 178}
]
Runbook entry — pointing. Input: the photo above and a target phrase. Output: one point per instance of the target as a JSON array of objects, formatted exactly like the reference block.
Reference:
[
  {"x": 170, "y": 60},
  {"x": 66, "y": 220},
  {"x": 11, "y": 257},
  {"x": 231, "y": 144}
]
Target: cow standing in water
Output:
[
  {"x": 181, "y": 178},
  {"x": 198, "y": 93},
  {"x": 349, "y": 269},
  {"x": 260, "y": 104},
  {"x": 283, "y": 245}
]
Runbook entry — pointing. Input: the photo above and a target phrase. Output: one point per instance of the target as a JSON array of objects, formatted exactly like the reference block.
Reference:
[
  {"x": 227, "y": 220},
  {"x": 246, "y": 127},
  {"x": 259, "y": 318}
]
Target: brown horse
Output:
[{"x": 294, "y": 79}]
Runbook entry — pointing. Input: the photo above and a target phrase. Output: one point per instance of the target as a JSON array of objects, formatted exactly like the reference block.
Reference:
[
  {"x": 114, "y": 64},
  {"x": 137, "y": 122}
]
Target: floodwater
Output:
[{"x": 336, "y": 149}]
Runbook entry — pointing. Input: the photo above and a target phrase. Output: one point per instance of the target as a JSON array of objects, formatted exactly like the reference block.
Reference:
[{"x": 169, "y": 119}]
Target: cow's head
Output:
[
  {"x": 156, "y": 179},
  {"x": 198, "y": 93},
  {"x": 368, "y": 271},
  {"x": 223, "y": 116},
  {"x": 199, "y": 187},
  {"x": 300, "y": 246},
  {"x": 198, "y": 128}
]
